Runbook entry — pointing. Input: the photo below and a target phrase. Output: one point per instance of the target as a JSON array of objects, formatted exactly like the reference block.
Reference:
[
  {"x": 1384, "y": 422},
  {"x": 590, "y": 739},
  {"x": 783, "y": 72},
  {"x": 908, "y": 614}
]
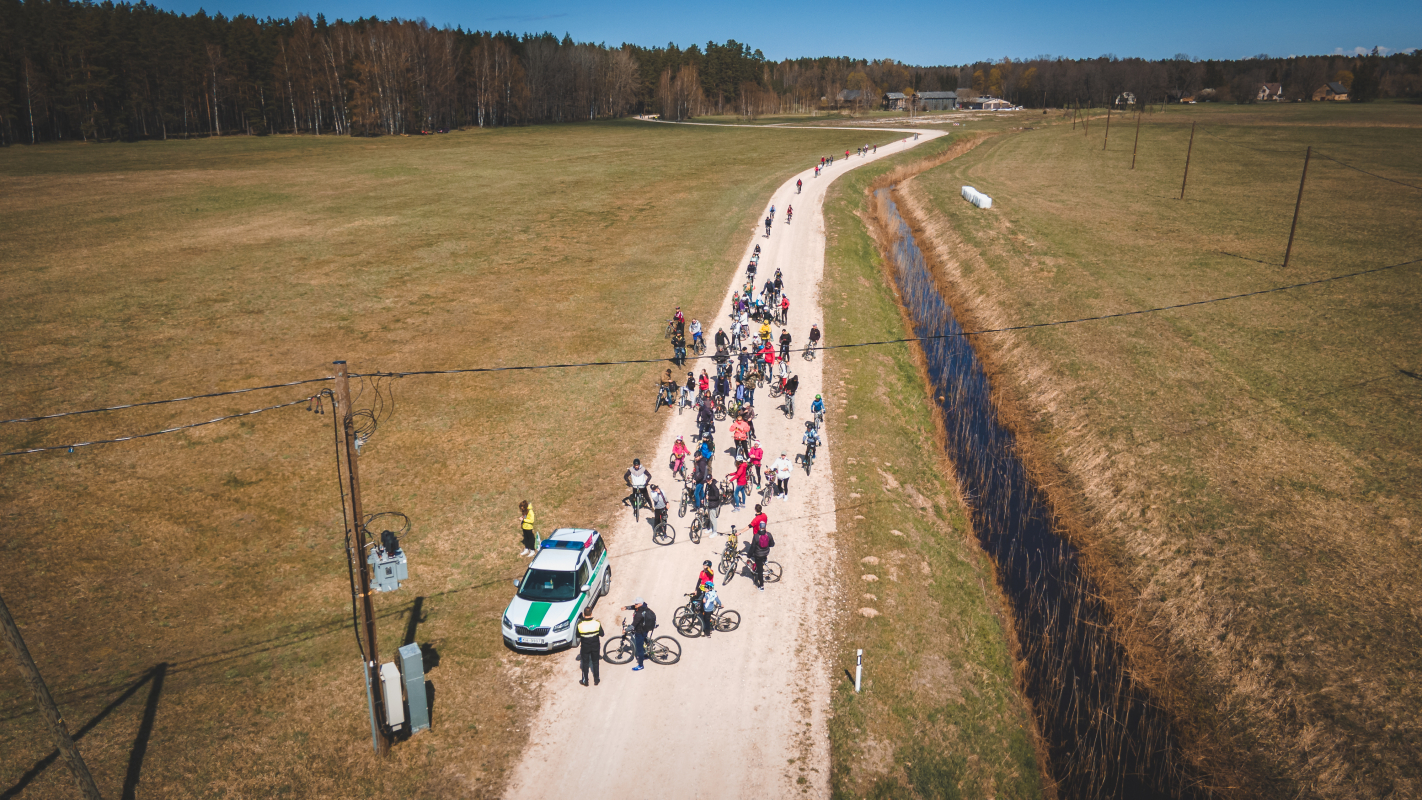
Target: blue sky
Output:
[{"x": 916, "y": 33}]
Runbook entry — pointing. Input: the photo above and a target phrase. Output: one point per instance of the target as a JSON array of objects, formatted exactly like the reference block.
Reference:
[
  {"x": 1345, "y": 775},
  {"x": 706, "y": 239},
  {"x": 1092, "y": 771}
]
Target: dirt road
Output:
[{"x": 744, "y": 713}]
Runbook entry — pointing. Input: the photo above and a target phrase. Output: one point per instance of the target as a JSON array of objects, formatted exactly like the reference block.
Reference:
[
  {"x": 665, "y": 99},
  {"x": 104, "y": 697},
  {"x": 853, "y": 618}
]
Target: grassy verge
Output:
[
  {"x": 1242, "y": 470},
  {"x": 939, "y": 715},
  {"x": 213, "y": 558}
]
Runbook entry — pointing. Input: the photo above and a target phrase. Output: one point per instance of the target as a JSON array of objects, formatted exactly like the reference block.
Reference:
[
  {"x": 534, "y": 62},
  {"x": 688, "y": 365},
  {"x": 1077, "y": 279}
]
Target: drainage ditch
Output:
[{"x": 1104, "y": 735}]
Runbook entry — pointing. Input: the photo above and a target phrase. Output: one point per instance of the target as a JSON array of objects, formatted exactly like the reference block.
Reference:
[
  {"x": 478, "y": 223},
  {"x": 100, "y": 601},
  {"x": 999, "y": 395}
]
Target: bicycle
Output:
[
  {"x": 789, "y": 406},
  {"x": 687, "y": 619},
  {"x": 688, "y": 497},
  {"x": 781, "y": 318},
  {"x": 664, "y": 398},
  {"x": 698, "y": 345},
  {"x": 671, "y": 327},
  {"x": 677, "y": 467},
  {"x": 664, "y": 534},
  {"x": 639, "y": 501},
  {"x": 701, "y": 521},
  {"x": 776, "y": 388},
  {"x": 730, "y": 554},
  {"x": 807, "y": 458},
  {"x": 718, "y": 408},
  {"x": 809, "y": 352},
  {"x": 664, "y": 650}
]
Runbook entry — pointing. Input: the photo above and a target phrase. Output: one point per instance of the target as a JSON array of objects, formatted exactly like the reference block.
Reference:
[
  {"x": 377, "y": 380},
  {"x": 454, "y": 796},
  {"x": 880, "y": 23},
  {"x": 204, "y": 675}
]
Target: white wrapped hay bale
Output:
[{"x": 976, "y": 197}]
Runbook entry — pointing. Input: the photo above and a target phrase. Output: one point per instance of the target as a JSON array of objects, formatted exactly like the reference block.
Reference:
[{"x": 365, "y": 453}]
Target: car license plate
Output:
[{"x": 529, "y": 640}]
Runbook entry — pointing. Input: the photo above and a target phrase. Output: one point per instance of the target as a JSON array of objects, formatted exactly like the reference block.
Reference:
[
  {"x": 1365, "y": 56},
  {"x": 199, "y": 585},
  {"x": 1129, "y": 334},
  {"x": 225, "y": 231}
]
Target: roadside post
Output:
[{"x": 858, "y": 669}]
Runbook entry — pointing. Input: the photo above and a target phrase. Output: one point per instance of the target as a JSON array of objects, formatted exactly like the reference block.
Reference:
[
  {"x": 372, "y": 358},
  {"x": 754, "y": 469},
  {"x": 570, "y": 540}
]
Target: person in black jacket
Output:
[
  {"x": 589, "y": 646},
  {"x": 644, "y": 621},
  {"x": 784, "y": 345},
  {"x": 713, "y": 500},
  {"x": 706, "y": 419},
  {"x": 760, "y": 545},
  {"x": 721, "y": 340}
]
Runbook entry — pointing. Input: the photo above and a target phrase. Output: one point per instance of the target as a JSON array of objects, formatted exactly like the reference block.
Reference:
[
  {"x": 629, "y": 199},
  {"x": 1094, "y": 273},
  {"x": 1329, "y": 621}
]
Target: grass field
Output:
[
  {"x": 185, "y": 595},
  {"x": 1242, "y": 474},
  {"x": 940, "y": 715}
]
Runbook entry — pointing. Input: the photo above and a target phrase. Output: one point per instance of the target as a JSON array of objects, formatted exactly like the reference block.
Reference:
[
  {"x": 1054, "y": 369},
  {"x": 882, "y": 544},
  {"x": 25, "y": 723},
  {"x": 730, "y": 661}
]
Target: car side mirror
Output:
[
  {"x": 515, "y": 583},
  {"x": 587, "y": 587}
]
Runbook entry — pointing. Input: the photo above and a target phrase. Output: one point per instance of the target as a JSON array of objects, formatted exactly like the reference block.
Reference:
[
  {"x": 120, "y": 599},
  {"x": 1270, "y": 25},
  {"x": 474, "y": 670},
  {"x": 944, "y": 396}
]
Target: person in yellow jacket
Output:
[
  {"x": 530, "y": 547},
  {"x": 589, "y": 646}
]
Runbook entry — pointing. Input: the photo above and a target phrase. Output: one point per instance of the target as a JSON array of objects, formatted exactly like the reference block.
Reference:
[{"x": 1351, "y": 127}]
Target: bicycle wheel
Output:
[
  {"x": 772, "y": 572},
  {"x": 695, "y": 530},
  {"x": 664, "y": 534},
  {"x": 727, "y": 620},
  {"x": 775, "y": 389},
  {"x": 808, "y": 354},
  {"x": 732, "y": 569},
  {"x": 618, "y": 651},
  {"x": 687, "y": 623},
  {"x": 725, "y": 564},
  {"x": 719, "y": 414},
  {"x": 809, "y": 461},
  {"x": 664, "y": 650},
  {"x": 789, "y": 406},
  {"x": 685, "y": 499}
]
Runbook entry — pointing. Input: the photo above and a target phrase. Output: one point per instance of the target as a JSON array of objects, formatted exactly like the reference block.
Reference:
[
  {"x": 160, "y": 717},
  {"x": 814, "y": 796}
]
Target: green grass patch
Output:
[
  {"x": 1244, "y": 469},
  {"x": 940, "y": 715}
]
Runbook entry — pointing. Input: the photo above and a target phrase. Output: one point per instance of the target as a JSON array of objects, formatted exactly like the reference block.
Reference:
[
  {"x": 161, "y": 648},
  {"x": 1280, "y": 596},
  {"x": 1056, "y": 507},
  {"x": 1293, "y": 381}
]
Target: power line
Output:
[
  {"x": 1245, "y": 146},
  {"x": 162, "y": 402},
  {"x": 157, "y": 433},
  {"x": 663, "y": 360},
  {"x": 1365, "y": 172}
]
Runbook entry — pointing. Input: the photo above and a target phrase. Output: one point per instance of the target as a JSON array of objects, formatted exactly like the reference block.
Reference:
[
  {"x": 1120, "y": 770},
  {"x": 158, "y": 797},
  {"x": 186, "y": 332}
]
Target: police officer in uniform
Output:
[{"x": 590, "y": 646}]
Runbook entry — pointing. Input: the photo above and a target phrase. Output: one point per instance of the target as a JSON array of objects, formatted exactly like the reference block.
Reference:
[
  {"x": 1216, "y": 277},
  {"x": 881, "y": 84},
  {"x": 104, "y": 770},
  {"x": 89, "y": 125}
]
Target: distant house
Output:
[
  {"x": 1125, "y": 99},
  {"x": 938, "y": 101},
  {"x": 895, "y": 101},
  {"x": 1332, "y": 90},
  {"x": 986, "y": 103},
  {"x": 848, "y": 97},
  {"x": 1270, "y": 91}
]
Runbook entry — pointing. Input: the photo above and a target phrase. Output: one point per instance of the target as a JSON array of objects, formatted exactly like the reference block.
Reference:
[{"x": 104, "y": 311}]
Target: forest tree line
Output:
[{"x": 121, "y": 71}]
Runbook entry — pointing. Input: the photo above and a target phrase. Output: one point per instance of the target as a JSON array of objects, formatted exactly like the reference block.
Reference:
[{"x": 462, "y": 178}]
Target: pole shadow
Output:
[{"x": 154, "y": 677}]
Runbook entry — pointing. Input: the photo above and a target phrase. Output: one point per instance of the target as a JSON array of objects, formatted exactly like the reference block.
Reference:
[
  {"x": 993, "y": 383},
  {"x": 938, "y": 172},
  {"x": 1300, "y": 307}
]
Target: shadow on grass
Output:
[{"x": 154, "y": 678}]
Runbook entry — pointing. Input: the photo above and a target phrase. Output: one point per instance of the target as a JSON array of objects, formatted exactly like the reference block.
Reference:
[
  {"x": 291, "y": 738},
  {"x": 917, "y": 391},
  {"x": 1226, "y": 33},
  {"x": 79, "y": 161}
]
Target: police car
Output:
[{"x": 570, "y": 572}]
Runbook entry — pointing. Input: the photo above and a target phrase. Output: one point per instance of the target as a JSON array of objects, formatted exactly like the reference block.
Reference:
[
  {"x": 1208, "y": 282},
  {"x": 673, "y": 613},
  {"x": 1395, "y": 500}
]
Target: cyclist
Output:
[
  {"x": 818, "y": 409},
  {"x": 679, "y": 317},
  {"x": 688, "y": 390},
  {"x": 659, "y": 506},
  {"x": 678, "y": 457},
  {"x": 713, "y": 499},
  {"x": 811, "y": 440},
  {"x": 814, "y": 335},
  {"x": 644, "y": 621},
  {"x": 667, "y": 389},
  {"x": 750, "y": 270},
  {"x": 779, "y": 283},
  {"x": 742, "y": 364},
  {"x": 782, "y": 373},
  {"x": 784, "y": 347},
  {"x": 756, "y": 454},
  {"x": 696, "y": 333},
  {"x": 769, "y": 291},
  {"x": 767, "y": 227},
  {"x": 679, "y": 348},
  {"x": 637, "y": 479},
  {"x": 757, "y": 252},
  {"x": 721, "y": 340},
  {"x": 772, "y": 211},
  {"x": 700, "y": 468},
  {"x": 703, "y": 385},
  {"x": 791, "y": 386},
  {"x": 798, "y": 184},
  {"x": 765, "y": 332},
  {"x": 740, "y": 434},
  {"x": 705, "y": 420},
  {"x": 723, "y": 384},
  {"x": 789, "y": 214},
  {"x": 705, "y": 595},
  {"x": 784, "y": 310},
  {"x": 758, "y": 522},
  {"x": 759, "y": 550},
  {"x": 817, "y": 171},
  {"x": 739, "y": 479}
]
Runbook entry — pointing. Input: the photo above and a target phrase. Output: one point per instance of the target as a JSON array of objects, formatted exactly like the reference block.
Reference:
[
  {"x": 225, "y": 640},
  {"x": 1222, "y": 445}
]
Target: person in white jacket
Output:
[{"x": 782, "y": 468}]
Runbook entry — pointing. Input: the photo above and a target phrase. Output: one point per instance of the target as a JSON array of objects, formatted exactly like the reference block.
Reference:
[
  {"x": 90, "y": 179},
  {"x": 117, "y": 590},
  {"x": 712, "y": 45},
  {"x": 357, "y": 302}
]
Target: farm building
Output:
[
  {"x": 937, "y": 101},
  {"x": 986, "y": 103},
  {"x": 1270, "y": 91},
  {"x": 895, "y": 101},
  {"x": 848, "y": 97},
  {"x": 1332, "y": 90}
]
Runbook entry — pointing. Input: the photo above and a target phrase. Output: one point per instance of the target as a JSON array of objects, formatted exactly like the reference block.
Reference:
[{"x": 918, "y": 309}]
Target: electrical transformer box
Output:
[
  {"x": 387, "y": 568},
  {"x": 412, "y": 670}
]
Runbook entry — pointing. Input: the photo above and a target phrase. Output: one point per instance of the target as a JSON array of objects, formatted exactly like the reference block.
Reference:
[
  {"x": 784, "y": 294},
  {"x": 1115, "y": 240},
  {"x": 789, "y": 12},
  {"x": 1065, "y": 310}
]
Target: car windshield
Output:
[{"x": 548, "y": 586}]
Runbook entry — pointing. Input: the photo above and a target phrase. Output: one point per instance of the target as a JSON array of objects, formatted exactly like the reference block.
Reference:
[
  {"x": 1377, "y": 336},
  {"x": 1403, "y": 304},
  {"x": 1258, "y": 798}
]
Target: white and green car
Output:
[{"x": 569, "y": 572}]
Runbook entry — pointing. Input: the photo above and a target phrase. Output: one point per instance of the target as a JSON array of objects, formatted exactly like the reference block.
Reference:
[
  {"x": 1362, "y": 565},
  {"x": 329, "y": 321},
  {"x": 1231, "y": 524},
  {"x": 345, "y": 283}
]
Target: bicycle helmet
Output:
[
  {"x": 636, "y": 462},
  {"x": 809, "y": 424},
  {"x": 706, "y": 563},
  {"x": 817, "y": 397}
]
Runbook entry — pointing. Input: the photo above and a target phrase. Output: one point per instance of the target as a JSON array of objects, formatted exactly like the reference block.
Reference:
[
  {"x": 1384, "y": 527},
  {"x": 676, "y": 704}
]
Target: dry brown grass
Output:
[
  {"x": 1240, "y": 472},
  {"x": 159, "y": 269}
]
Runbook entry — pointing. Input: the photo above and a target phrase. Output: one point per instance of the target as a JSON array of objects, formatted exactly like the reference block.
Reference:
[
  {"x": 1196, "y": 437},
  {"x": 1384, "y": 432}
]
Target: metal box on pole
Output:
[{"x": 412, "y": 670}]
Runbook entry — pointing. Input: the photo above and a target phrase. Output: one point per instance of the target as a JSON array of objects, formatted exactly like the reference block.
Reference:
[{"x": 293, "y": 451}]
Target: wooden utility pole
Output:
[
  {"x": 1076, "y": 112},
  {"x": 1108, "y": 129},
  {"x": 1188, "y": 151},
  {"x": 1137, "y": 145},
  {"x": 1297, "y": 204},
  {"x": 355, "y": 531},
  {"x": 57, "y": 729}
]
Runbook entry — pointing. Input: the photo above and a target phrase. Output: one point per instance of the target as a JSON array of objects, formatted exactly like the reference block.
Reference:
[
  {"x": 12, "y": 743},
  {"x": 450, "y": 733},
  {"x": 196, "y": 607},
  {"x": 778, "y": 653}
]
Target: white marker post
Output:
[{"x": 858, "y": 669}]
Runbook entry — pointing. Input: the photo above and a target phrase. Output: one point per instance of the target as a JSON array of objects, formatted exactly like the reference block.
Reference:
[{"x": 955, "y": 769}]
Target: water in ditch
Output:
[{"x": 1104, "y": 736}]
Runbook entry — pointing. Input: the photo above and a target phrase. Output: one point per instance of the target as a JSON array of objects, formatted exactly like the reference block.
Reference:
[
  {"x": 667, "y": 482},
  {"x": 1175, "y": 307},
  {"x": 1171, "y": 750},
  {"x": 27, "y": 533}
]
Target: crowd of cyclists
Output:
[{"x": 750, "y": 354}]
